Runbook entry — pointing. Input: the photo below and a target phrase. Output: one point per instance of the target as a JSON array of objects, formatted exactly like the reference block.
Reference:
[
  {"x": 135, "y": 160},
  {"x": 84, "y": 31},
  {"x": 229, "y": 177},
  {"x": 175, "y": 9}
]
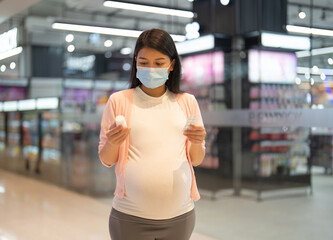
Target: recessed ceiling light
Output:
[
  {"x": 12, "y": 65},
  {"x": 315, "y": 69},
  {"x": 108, "y": 43},
  {"x": 3, "y": 68},
  {"x": 69, "y": 38},
  {"x": 71, "y": 48},
  {"x": 302, "y": 15},
  {"x": 307, "y": 75},
  {"x": 330, "y": 61},
  {"x": 224, "y": 2}
]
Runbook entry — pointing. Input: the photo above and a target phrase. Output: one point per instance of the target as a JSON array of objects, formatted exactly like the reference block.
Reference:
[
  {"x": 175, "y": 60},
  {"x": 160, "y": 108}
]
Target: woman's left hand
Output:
[{"x": 195, "y": 134}]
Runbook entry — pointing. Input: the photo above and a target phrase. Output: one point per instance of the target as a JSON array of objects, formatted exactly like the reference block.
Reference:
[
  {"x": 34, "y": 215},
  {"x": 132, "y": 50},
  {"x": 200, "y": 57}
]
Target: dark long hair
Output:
[{"x": 161, "y": 41}]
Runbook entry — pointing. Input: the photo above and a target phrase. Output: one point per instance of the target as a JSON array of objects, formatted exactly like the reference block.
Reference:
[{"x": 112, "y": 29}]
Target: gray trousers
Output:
[{"x": 128, "y": 227}]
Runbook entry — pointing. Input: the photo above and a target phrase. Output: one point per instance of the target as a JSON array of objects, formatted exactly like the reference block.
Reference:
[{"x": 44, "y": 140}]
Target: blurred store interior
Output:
[{"x": 260, "y": 70}]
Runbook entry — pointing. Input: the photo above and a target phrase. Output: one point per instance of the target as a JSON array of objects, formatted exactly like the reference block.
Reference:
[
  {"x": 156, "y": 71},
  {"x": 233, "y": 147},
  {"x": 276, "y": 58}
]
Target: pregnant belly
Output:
[{"x": 158, "y": 186}]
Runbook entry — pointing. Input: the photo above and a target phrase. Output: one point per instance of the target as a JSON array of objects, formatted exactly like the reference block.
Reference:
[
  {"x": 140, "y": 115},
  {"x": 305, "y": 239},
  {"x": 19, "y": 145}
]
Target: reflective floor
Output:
[
  {"x": 32, "y": 210},
  {"x": 291, "y": 214}
]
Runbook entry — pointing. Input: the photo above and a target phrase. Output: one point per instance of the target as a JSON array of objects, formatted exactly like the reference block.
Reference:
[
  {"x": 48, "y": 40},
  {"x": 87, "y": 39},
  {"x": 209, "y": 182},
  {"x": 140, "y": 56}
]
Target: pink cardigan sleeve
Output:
[
  {"x": 108, "y": 120},
  {"x": 196, "y": 110}
]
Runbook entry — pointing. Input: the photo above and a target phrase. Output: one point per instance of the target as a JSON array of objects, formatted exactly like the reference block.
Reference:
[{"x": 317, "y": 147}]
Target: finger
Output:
[
  {"x": 117, "y": 131},
  {"x": 196, "y": 127},
  {"x": 195, "y": 138},
  {"x": 195, "y": 141},
  {"x": 195, "y": 133},
  {"x": 121, "y": 138},
  {"x": 114, "y": 130},
  {"x": 123, "y": 134}
]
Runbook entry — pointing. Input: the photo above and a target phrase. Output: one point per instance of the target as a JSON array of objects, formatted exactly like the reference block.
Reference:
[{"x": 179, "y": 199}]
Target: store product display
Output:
[
  {"x": 322, "y": 148},
  {"x": 273, "y": 96}
]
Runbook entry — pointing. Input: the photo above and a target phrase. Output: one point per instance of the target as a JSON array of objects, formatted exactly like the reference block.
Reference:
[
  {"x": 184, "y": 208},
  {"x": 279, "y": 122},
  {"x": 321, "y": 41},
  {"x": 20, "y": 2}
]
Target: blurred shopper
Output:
[{"x": 153, "y": 154}]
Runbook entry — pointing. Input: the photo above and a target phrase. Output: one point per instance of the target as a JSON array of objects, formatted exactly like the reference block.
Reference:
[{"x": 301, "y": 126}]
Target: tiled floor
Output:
[{"x": 32, "y": 210}]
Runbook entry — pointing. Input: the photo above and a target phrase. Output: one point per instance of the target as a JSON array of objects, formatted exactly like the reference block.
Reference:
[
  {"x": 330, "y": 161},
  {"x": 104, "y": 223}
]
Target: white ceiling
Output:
[
  {"x": 9, "y": 8},
  {"x": 93, "y": 12}
]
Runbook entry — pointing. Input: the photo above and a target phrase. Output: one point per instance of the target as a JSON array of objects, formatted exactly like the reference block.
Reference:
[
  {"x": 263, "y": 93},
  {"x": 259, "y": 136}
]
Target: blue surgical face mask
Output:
[{"x": 152, "y": 77}]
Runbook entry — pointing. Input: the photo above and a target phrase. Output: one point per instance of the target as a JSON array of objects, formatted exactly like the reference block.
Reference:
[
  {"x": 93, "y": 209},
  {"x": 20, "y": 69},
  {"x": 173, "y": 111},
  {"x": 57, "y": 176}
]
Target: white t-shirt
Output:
[{"x": 158, "y": 175}]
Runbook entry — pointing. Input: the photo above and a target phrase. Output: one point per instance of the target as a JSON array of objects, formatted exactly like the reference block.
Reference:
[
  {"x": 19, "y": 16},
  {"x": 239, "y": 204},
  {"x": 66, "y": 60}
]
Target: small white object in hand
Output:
[
  {"x": 191, "y": 121},
  {"x": 120, "y": 120}
]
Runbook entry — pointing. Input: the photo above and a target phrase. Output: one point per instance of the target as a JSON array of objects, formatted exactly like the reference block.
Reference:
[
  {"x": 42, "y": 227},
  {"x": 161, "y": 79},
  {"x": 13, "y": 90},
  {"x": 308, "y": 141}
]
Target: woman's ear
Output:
[{"x": 172, "y": 65}]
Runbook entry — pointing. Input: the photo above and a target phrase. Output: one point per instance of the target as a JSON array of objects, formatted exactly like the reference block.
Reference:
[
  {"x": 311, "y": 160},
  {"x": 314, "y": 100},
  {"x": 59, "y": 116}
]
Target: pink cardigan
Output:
[{"x": 120, "y": 103}]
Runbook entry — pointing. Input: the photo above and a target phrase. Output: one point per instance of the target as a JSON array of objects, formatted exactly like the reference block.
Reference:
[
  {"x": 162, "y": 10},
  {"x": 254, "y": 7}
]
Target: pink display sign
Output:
[
  {"x": 76, "y": 95},
  {"x": 203, "y": 69},
  {"x": 272, "y": 67},
  {"x": 12, "y": 93}
]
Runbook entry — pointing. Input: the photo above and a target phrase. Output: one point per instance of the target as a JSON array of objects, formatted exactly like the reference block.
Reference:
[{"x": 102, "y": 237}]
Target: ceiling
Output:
[
  {"x": 9, "y": 8},
  {"x": 93, "y": 12},
  {"x": 37, "y": 15}
]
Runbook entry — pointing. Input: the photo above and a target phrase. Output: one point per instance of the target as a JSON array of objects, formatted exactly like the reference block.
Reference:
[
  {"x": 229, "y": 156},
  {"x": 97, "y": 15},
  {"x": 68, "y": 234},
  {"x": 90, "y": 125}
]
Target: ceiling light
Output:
[
  {"x": 285, "y": 41},
  {"x": 330, "y": 61},
  {"x": 312, "y": 81},
  {"x": 224, "y": 2},
  {"x": 323, "y": 76},
  {"x": 149, "y": 9},
  {"x": 71, "y": 48},
  {"x": 302, "y": 15},
  {"x": 27, "y": 104},
  {"x": 10, "y": 106},
  {"x": 69, "y": 38},
  {"x": 306, "y": 30},
  {"x": 314, "y": 52},
  {"x": 306, "y": 74},
  {"x": 298, "y": 81},
  {"x": 11, "y": 53},
  {"x": 305, "y": 71},
  {"x": 3, "y": 68},
  {"x": 12, "y": 65},
  {"x": 126, "y": 50},
  {"x": 315, "y": 69},
  {"x": 192, "y": 30},
  {"x": 47, "y": 103},
  {"x": 106, "y": 30},
  {"x": 108, "y": 43},
  {"x": 196, "y": 45}
]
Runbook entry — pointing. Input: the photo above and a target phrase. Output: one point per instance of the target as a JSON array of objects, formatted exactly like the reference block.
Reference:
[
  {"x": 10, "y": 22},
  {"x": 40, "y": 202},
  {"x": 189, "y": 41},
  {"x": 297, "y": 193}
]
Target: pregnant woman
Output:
[{"x": 162, "y": 137}]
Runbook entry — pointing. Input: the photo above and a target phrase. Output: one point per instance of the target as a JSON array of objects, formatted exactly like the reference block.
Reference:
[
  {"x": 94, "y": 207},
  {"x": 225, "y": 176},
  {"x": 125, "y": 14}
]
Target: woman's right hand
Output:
[{"x": 117, "y": 135}]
